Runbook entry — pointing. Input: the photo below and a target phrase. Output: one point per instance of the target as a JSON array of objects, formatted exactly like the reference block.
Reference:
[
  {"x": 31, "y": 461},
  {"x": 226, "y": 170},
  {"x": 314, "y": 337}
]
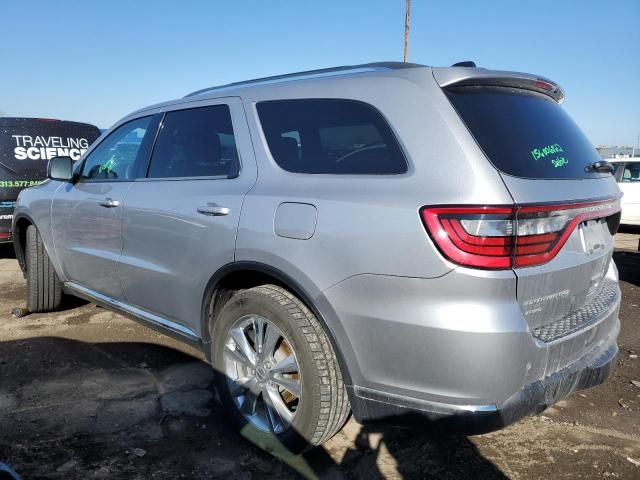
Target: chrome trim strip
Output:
[{"x": 134, "y": 311}]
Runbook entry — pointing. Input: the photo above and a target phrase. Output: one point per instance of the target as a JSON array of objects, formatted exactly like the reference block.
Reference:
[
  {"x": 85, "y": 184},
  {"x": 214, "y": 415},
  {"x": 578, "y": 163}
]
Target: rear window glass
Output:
[
  {"x": 330, "y": 136},
  {"x": 524, "y": 134}
]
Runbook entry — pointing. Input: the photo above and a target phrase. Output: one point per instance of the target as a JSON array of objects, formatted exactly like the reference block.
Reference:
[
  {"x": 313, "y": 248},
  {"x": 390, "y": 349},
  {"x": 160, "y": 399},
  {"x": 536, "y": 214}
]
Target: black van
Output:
[{"x": 26, "y": 145}]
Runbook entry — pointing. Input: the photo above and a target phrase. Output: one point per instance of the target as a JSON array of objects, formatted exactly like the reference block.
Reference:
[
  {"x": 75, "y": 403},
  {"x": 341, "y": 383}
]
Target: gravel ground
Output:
[{"x": 85, "y": 394}]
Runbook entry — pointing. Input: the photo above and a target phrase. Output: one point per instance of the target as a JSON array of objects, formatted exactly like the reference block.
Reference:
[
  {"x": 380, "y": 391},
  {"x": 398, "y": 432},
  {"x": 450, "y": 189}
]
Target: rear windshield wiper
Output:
[{"x": 602, "y": 166}]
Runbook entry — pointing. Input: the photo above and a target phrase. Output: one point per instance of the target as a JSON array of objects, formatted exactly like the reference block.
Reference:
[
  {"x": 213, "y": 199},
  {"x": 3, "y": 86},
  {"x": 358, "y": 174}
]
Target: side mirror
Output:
[{"x": 60, "y": 168}]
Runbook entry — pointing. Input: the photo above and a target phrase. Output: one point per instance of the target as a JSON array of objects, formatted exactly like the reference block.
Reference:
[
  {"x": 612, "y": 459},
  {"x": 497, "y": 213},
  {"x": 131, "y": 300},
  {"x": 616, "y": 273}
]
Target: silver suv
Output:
[{"x": 392, "y": 240}]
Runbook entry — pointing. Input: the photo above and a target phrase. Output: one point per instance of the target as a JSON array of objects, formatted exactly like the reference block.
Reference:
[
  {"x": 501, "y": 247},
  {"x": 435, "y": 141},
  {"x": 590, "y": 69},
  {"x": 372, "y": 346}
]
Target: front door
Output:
[
  {"x": 179, "y": 224},
  {"x": 86, "y": 214}
]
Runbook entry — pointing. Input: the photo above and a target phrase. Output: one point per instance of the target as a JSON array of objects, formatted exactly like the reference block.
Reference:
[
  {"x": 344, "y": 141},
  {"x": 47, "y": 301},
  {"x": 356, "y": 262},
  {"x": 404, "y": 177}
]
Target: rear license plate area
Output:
[{"x": 592, "y": 237}]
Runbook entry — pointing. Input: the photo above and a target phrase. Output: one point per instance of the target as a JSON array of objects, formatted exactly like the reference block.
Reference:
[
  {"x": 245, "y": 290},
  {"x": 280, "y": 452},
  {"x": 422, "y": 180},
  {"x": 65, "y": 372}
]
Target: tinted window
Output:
[
  {"x": 198, "y": 142},
  {"x": 631, "y": 173},
  {"x": 116, "y": 158},
  {"x": 524, "y": 134},
  {"x": 330, "y": 136}
]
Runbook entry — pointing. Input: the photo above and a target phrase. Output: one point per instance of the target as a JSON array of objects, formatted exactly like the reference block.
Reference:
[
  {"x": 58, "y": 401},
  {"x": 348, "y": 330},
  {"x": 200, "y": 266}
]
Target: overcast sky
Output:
[{"x": 97, "y": 61}]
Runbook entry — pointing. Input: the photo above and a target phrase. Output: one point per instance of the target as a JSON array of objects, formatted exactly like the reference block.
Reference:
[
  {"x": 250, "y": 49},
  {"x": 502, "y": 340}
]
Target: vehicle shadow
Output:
[
  {"x": 628, "y": 264},
  {"x": 73, "y": 409},
  {"x": 629, "y": 229},
  {"x": 7, "y": 251}
]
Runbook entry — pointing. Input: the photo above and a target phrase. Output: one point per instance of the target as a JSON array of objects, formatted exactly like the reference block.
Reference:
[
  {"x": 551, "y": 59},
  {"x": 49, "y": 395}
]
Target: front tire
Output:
[
  {"x": 44, "y": 288},
  {"x": 278, "y": 374}
]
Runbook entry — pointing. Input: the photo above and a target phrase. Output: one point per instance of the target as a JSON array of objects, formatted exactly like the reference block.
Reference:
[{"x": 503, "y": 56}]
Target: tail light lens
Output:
[{"x": 507, "y": 237}]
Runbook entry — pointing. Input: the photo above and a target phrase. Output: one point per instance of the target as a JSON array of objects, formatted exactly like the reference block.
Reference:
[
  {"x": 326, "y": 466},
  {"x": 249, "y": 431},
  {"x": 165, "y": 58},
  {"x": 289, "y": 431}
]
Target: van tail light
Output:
[{"x": 499, "y": 237}]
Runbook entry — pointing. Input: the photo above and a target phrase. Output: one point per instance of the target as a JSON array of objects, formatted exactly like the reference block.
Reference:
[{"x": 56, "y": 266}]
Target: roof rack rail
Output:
[
  {"x": 311, "y": 73},
  {"x": 466, "y": 63}
]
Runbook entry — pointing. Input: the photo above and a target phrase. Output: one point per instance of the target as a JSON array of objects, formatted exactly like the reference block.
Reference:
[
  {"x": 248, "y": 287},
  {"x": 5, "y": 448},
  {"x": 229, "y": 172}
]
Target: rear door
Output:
[
  {"x": 544, "y": 160},
  {"x": 630, "y": 186},
  {"x": 86, "y": 215},
  {"x": 180, "y": 223}
]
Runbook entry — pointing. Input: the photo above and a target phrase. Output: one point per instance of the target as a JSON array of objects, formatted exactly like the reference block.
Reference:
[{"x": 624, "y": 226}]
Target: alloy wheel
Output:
[{"x": 263, "y": 374}]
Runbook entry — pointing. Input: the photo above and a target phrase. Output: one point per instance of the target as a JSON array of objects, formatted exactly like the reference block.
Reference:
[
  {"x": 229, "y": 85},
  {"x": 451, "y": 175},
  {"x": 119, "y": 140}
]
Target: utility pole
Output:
[{"x": 406, "y": 31}]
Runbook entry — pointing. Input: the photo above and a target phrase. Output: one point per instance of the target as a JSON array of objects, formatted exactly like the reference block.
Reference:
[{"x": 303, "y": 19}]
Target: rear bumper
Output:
[
  {"x": 589, "y": 371},
  {"x": 458, "y": 351}
]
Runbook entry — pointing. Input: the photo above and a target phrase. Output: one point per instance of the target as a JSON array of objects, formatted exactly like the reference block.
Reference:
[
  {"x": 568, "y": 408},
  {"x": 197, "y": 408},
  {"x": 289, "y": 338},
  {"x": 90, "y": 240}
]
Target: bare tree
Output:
[{"x": 406, "y": 30}]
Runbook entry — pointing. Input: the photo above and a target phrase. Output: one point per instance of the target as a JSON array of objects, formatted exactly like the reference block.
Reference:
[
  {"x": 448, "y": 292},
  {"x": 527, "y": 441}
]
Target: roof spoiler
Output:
[{"x": 466, "y": 77}]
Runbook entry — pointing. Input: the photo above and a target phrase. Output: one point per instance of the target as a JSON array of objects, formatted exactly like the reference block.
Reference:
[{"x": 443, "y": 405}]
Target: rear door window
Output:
[
  {"x": 523, "y": 133},
  {"x": 197, "y": 142},
  {"x": 330, "y": 136}
]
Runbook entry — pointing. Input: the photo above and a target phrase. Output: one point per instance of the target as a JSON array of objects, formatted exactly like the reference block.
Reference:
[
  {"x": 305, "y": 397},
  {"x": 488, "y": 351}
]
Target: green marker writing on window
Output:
[
  {"x": 559, "y": 162},
  {"x": 538, "y": 153}
]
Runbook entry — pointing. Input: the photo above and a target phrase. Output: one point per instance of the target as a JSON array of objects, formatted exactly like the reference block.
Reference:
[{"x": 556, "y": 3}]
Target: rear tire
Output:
[
  {"x": 322, "y": 406},
  {"x": 44, "y": 288}
]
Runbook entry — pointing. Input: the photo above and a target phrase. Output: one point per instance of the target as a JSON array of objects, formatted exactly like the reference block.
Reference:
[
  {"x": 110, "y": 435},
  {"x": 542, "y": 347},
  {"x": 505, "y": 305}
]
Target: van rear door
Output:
[
  {"x": 568, "y": 210},
  {"x": 26, "y": 146}
]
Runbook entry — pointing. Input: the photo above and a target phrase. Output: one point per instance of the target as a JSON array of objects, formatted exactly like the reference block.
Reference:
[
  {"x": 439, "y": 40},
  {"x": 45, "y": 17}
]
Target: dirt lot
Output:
[{"x": 85, "y": 393}]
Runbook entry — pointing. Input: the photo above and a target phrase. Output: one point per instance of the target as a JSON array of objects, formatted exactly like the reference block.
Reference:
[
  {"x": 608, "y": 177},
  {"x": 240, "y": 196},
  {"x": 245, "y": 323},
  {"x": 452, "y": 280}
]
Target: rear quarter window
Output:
[
  {"x": 525, "y": 134},
  {"x": 330, "y": 136}
]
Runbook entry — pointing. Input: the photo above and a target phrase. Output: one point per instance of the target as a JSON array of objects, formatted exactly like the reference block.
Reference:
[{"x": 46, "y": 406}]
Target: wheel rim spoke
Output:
[
  {"x": 286, "y": 365},
  {"x": 258, "y": 328},
  {"x": 244, "y": 385},
  {"x": 271, "y": 337},
  {"x": 243, "y": 343},
  {"x": 276, "y": 403},
  {"x": 237, "y": 356},
  {"x": 272, "y": 416},
  {"x": 249, "y": 404},
  {"x": 289, "y": 384}
]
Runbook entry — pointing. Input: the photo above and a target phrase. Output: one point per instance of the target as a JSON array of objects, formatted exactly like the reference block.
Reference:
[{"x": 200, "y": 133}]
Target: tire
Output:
[
  {"x": 322, "y": 407},
  {"x": 44, "y": 288}
]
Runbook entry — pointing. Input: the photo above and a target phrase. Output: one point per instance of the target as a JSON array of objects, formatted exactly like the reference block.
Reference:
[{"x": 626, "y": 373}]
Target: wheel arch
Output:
[
  {"x": 247, "y": 274},
  {"x": 20, "y": 225}
]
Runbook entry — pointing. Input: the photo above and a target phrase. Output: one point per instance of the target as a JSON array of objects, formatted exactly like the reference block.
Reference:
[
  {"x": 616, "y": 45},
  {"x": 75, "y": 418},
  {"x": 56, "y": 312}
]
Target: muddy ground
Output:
[{"x": 87, "y": 394}]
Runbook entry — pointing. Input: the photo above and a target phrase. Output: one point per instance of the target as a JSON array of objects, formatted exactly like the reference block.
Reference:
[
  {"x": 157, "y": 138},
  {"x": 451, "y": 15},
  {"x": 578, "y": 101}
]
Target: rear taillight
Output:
[{"x": 508, "y": 237}]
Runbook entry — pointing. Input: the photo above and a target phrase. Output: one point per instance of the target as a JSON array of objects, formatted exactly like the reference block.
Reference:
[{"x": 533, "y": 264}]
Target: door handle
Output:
[
  {"x": 214, "y": 210},
  {"x": 109, "y": 203}
]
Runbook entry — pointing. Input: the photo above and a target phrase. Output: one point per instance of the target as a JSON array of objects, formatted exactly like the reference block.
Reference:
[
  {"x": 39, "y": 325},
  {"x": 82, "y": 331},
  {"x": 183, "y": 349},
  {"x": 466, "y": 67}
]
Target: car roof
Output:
[
  {"x": 21, "y": 121},
  {"x": 311, "y": 74},
  {"x": 315, "y": 79}
]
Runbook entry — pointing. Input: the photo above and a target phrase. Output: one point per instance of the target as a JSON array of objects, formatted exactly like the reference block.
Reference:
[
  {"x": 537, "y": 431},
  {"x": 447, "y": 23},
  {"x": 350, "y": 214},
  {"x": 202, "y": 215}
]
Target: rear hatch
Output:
[{"x": 565, "y": 213}]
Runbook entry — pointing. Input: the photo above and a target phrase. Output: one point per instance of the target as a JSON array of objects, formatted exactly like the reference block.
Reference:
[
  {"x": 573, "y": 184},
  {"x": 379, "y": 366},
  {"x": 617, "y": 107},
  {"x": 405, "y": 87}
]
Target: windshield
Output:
[{"x": 523, "y": 133}]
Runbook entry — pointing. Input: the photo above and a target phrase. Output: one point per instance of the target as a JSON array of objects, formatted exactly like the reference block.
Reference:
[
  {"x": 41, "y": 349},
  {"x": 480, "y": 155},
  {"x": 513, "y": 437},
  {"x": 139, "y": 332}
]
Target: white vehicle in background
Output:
[{"x": 627, "y": 173}]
